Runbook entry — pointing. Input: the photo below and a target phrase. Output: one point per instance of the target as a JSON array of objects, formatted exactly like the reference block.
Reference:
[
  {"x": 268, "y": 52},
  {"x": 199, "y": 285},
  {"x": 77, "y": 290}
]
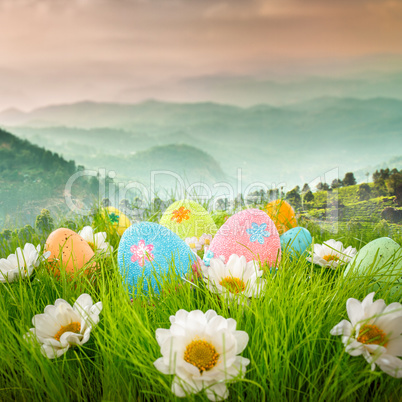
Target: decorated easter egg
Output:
[
  {"x": 117, "y": 219},
  {"x": 296, "y": 241},
  {"x": 251, "y": 233},
  {"x": 148, "y": 252},
  {"x": 187, "y": 218},
  {"x": 283, "y": 215},
  {"x": 68, "y": 251},
  {"x": 381, "y": 259}
]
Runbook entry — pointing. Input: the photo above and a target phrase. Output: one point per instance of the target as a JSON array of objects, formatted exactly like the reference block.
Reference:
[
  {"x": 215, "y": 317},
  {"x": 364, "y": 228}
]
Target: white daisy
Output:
[
  {"x": 374, "y": 331},
  {"x": 193, "y": 243},
  {"x": 62, "y": 326},
  {"x": 21, "y": 264},
  {"x": 236, "y": 277},
  {"x": 97, "y": 241},
  {"x": 206, "y": 240},
  {"x": 202, "y": 351},
  {"x": 331, "y": 254}
]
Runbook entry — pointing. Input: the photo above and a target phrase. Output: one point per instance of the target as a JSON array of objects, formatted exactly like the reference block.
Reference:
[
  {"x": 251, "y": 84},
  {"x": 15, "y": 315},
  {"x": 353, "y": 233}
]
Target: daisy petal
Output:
[
  {"x": 390, "y": 365},
  {"x": 355, "y": 311},
  {"x": 217, "y": 392},
  {"x": 343, "y": 328},
  {"x": 394, "y": 346}
]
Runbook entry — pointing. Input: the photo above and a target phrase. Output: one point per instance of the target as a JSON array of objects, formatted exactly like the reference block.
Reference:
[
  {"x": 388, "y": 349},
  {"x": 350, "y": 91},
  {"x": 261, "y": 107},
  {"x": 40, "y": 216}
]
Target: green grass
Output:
[{"x": 293, "y": 356}]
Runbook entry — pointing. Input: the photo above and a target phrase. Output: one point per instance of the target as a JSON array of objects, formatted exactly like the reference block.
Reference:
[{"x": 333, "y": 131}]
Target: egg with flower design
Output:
[
  {"x": 149, "y": 253},
  {"x": 283, "y": 215},
  {"x": 188, "y": 219},
  {"x": 117, "y": 220},
  {"x": 251, "y": 233}
]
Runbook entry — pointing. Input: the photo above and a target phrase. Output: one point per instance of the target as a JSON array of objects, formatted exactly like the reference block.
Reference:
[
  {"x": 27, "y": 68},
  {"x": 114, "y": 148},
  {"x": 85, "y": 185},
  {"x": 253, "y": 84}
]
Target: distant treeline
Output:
[{"x": 386, "y": 182}]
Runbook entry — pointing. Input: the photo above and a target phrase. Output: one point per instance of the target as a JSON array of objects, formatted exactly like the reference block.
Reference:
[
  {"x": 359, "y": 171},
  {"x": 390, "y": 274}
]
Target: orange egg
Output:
[
  {"x": 70, "y": 249},
  {"x": 283, "y": 215}
]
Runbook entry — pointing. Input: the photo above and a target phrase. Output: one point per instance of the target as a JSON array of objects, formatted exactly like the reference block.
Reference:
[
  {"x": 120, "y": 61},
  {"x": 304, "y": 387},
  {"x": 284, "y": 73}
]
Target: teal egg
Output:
[
  {"x": 382, "y": 260},
  {"x": 148, "y": 252},
  {"x": 296, "y": 241}
]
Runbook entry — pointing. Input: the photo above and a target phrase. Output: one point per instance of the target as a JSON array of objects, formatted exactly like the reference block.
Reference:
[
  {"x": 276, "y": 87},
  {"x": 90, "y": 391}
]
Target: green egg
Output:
[
  {"x": 187, "y": 218},
  {"x": 382, "y": 260}
]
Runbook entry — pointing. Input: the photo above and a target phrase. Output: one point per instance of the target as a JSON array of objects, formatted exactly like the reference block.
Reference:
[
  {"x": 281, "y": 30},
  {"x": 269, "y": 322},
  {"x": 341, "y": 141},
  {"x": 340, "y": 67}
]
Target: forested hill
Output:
[
  {"x": 31, "y": 178},
  {"x": 21, "y": 161},
  {"x": 190, "y": 163}
]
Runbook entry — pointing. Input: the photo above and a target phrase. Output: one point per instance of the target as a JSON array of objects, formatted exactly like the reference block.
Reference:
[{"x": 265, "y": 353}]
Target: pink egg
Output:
[{"x": 251, "y": 233}]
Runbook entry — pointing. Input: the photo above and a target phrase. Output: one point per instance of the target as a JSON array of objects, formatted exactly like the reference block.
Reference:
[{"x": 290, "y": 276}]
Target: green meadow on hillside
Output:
[{"x": 350, "y": 209}]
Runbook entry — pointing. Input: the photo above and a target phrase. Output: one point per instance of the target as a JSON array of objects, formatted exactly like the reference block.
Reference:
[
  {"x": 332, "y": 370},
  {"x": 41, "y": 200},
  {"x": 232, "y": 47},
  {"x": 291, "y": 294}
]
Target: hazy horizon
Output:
[{"x": 241, "y": 53}]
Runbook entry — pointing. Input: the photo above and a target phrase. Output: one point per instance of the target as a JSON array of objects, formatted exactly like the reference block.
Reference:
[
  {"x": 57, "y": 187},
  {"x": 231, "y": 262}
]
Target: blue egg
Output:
[
  {"x": 296, "y": 241},
  {"x": 148, "y": 252}
]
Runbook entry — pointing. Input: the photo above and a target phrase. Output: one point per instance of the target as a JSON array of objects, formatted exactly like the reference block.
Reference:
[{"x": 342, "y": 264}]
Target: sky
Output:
[{"x": 62, "y": 51}]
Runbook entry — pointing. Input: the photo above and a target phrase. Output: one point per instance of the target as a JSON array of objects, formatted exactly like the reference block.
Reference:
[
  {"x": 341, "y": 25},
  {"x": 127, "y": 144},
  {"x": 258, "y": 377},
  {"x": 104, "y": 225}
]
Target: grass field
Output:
[{"x": 292, "y": 354}]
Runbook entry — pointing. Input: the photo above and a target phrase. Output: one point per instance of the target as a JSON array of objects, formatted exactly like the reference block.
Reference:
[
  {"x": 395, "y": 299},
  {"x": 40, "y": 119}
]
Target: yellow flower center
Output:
[
  {"x": 192, "y": 245},
  {"x": 73, "y": 327},
  {"x": 372, "y": 335},
  {"x": 92, "y": 245},
  {"x": 202, "y": 355},
  {"x": 234, "y": 285},
  {"x": 330, "y": 257},
  {"x": 207, "y": 242}
]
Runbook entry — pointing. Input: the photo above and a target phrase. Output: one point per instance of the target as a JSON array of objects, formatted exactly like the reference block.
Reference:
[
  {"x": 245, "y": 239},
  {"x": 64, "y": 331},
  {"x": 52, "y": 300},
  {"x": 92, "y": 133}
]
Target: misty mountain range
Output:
[
  {"x": 362, "y": 78},
  {"x": 292, "y": 144}
]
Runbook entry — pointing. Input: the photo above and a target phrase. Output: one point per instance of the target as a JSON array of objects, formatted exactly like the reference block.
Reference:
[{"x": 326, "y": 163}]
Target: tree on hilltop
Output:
[
  {"x": 293, "y": 196},
  {"x": 309, "y": 196},
  {"x": 322, "y": 186},
  {"x": 336, "y": 183},
  {"x": 381, "y": 175},
  {"x": 394, "y": 181},
  {"x": 388, "y": 181},
  {"x": 44, "y": 222},
  {"x": 349, "y": 179},
  {"x": 364, "y": 192}
]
